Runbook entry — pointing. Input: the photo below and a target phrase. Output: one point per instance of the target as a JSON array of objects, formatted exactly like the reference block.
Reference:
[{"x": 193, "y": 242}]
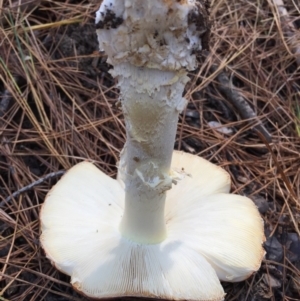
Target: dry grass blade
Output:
[
  {"x": 59, "y": 106},
  {"x": 285, "y": 22}
]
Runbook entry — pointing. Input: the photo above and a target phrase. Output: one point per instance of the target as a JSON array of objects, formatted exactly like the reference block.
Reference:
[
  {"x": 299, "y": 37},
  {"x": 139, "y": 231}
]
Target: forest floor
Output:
[{"x": 59, "y": 106}]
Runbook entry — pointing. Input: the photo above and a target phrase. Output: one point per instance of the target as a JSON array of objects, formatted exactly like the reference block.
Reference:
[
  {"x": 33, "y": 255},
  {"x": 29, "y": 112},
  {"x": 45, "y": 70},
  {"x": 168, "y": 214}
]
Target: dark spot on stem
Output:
[{"x": 109, "y": 20}]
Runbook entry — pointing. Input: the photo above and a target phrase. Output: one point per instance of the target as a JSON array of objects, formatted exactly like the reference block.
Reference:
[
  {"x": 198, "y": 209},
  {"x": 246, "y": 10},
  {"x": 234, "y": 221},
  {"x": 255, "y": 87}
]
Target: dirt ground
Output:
[{"x": 59, "y": 106}]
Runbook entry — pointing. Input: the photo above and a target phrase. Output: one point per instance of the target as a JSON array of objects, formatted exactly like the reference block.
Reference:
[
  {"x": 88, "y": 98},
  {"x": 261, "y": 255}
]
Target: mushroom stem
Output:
[
  {"x": 151, "y": 101},
  {"x": 151, "y": 45}
]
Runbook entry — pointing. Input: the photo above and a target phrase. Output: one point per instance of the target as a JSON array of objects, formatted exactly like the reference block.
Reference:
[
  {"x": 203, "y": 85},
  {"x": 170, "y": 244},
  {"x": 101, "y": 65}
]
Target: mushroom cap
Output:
[
  {"x": 225, "y": 228},
  {"x": 211, "y": 235}
]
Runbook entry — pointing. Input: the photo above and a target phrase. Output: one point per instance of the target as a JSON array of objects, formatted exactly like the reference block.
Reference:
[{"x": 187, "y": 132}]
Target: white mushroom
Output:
[{"x": 168, "y": 226}]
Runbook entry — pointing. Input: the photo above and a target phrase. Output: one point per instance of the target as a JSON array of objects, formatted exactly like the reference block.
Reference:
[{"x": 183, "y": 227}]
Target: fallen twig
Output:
[
  {"x": 240, "y": 103},
  {"x": 31, "y": 185}
]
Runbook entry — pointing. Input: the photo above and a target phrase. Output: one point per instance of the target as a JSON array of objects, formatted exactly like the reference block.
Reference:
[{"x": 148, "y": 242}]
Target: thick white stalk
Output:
[
  {"x": 151, "y": 101},
  {"x": 151, "y": 44}
]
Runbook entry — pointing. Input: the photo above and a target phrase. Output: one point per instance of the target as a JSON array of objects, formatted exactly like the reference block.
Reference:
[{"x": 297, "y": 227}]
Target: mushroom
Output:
[{"x": 167, "y": 227}]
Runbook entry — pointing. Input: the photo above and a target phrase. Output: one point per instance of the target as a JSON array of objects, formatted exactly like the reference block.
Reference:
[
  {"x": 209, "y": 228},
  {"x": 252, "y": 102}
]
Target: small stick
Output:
[
  {"x": 240, "y": 103},
  {"x": 31, "y": 185}
]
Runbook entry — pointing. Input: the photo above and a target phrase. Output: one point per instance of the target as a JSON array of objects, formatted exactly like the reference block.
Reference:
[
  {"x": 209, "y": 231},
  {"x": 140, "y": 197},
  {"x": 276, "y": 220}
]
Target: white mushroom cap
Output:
[
  {"x": 210, "y": 234},
  {"x": 225, "y": 228}
]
